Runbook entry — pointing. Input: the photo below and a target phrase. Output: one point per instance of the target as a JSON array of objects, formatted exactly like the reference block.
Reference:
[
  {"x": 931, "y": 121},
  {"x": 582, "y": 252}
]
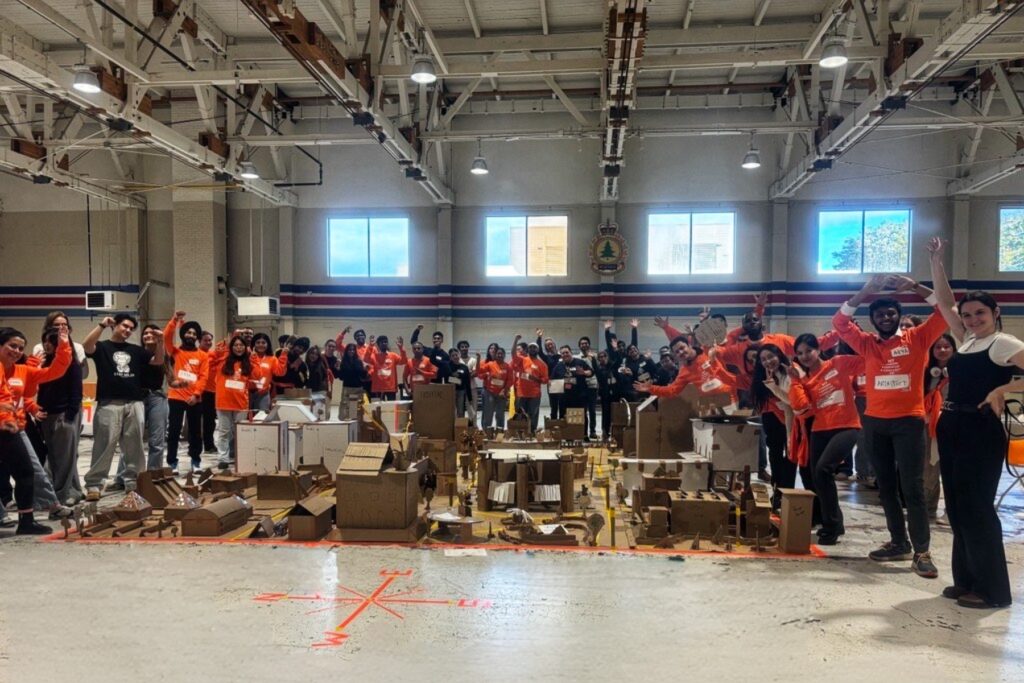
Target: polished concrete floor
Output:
[{"x": 179, "y": 612}]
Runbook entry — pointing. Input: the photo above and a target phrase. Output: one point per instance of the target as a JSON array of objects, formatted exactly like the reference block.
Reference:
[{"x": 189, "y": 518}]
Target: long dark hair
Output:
[
  {"x": 986, "y": 300},
  {"x": 805, "y": 338},
  {"x": 318, "y": 367},
  {"x": 350, "y": 361},
  {"x": 761, "y": 394},
  {"x": 932, "y": 363},
  {"x": 244, "y": 360}
]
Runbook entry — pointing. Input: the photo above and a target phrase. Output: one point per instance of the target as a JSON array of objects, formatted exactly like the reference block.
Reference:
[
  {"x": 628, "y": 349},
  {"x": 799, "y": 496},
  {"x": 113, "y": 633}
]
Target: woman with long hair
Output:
[
  {"x": 972, "y": 439},
  {"x": 769, "y": 394},
  {"x": 234, "y": 380},
  {"x": 353, "y": 375},
  {"x": 61, "y": 401},
  {"x": 826, "y": 391},
  {"x": 936, "y": 386}
]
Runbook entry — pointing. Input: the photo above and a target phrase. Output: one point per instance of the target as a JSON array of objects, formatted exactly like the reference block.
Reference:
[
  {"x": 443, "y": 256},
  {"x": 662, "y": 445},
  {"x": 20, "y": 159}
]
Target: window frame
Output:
[
  {"x": 368, "y": 219},
  {"x": 527, "y": 216},
  {"x": 1014, "y": 206},
  {"x": 689, "y": 259},
  {"x": 863, "y": 210}
]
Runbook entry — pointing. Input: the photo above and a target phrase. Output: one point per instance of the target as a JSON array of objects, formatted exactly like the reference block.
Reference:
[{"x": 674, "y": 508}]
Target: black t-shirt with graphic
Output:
[{"x": 120, "y": 368}]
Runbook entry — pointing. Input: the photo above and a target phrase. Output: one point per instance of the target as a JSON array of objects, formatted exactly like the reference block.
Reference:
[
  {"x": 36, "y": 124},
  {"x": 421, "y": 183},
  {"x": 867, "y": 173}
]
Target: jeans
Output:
[
  {"x": 531, "y": 406},
  {"x": 259, "y": 401},
  {"x": 177, "y": 411},
  {"x": 460, "y": 403},
  {"x": 61, "y": 436},
  {"x": 971, "y": 451},
  {"x": 226, "y": 421},
  {"x": 899, "y": 443},
  {"x": 494, "y": 410},
  {"x": 210, "y": 420},
  {"x": 45, "y": 497},
  {"x": 116, "y": 422},
  {"x": 155, "y": 407},
  {"x": 828, "y": 448}
]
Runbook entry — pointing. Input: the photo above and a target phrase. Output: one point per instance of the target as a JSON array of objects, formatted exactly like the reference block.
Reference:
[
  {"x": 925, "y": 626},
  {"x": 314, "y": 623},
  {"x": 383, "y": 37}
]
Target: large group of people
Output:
[{"x": 908, "y": 405}]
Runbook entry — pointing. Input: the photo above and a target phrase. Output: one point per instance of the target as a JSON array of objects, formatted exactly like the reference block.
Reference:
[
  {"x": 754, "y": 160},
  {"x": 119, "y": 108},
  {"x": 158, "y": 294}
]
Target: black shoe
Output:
[
  {"x": 954, "y": 592},
  {"x": 827, "y": 538},
  {"x": 975, "y": 601},
  {"x": 210, "y": 449},
  {"x": 223, "y": 466},
  {"x": 30, "y": 527},
  {"x": 923, "y": 565},
  {"x": 841, "y": 531},
  {"x": 890, "y": 552}
]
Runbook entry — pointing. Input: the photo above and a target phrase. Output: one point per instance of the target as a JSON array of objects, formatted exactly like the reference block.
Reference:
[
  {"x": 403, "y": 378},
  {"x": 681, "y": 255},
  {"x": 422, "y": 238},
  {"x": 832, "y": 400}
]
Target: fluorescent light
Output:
[
  {"x": 85, "y": 80},
  {"x": 247, "y": 170},
  {"x": 423, "y": 70},
  {"x": 833, "y": 53},
  {"x": 479, "y": 166}
]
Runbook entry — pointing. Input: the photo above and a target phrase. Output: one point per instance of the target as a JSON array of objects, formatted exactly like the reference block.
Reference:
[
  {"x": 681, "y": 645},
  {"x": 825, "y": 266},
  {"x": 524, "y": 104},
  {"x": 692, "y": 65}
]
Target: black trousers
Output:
[
  {"x": 177, "y": 412},
  {"x": 783, "y": 469},
  {"x": 17, "y": 464},
  {"x": 900, "y": 443},
  {"x": 971, "y": 452},
  {"x": 590, "y": 418},
  {"x": 557, "y": 402},
  {"x": 209, "y": 420},
  {"x": 384, "y": 395},
  {"x": 606, "y": 417},
  {"x": 828, "y": 450}
]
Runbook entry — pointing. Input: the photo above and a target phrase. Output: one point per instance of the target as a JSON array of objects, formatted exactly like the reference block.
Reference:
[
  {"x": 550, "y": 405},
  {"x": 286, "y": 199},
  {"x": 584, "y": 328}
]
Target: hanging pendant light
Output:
[
  {"x": 833, "y": 53},
  {"x": 85, "y": 80},
  {"x": 479, "y": 166},
  {"x": 247, "y": 170},
  {"x": 752, "y": 159},
  {"x": 423, "y": 70}
]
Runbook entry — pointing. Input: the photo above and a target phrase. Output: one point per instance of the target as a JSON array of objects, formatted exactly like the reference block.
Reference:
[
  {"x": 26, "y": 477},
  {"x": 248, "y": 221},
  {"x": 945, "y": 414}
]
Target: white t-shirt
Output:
[
  {"x": 37, "y": 350},
  {"x": 1001, "y": 347}
]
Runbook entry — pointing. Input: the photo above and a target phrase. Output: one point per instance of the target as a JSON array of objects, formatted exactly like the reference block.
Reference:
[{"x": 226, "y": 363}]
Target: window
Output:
[
  {"x": 535, "y": 246},
  {"x": 1011, "y": 239},
  {"x": 374, "y": 247},
  {"x": 864, "y": 241},
  {"x": 690, "y": 243}
]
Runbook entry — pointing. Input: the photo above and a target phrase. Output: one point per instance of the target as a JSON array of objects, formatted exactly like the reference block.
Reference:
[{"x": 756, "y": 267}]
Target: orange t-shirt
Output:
[
  {"x": 267, "y": 364},
  {"x": 419, "y": 371},
  {"x": 24, "y": 381},
  {"x": 709, "y": 378},
  {"x": 498, "y": 377},
  {"x": 531, "y": 373},
  {"x": 216, "y": 357},
  {"x": 384, "y": 370},
  {"x": 829, "y": 394},
  {"x": 191, "y": 368},
  {"x": 233, "y": 390},
  {"x": 894, "y": 368}
]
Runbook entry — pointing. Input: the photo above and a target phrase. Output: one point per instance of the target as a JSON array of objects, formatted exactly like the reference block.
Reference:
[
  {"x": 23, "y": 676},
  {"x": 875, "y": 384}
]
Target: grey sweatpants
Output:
[
  {"x": 226, "y": 421},
  {"x": 116, "y": 422},
  {"x": 44, "y": 497},
  {"x": 61, "y": 438}
]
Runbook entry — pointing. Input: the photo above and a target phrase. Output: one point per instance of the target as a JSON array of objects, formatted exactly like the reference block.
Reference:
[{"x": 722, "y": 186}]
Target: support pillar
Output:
[
  {"x": 959, "y": 248},
  {"x": 445, "y": 324},
  {"x": 779, "y": 256}
]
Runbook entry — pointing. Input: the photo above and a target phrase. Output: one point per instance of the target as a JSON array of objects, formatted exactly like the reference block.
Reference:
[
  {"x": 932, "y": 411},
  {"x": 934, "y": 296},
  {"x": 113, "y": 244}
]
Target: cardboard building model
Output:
[
  {"x": 217, "y": 518},
  {"x": 373, "y": 496}
]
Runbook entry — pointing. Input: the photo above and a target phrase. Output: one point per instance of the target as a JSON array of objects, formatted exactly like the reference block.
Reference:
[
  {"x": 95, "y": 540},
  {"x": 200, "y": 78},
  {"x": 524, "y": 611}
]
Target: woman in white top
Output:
[
  {"x": 59, "y": 321},
  {"x": 971, "y": 438}
]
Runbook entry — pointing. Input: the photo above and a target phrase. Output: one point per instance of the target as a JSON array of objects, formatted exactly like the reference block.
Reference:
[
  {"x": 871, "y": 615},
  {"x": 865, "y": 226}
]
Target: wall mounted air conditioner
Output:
[
  {"x": 110, "y": 301},
  {"x": 258, "y": 307}
]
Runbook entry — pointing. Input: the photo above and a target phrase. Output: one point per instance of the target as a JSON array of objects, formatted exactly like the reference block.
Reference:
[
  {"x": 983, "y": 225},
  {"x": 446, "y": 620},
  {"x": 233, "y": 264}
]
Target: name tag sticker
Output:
[
  {"x": 234, "y": 384},
  {"x": 900, "y": 351},
  {"x": 892, "y": 382},
  {"x": 497, "y": 382},
  {"x": 385, "y": 372},
  {"x": 836, "y": 398},
  {"x": 15, "y": 382},
  {"x": 831, "y": 374},
  {"x": 187, "y": 376},
  {"x": 711, "y": 385}
]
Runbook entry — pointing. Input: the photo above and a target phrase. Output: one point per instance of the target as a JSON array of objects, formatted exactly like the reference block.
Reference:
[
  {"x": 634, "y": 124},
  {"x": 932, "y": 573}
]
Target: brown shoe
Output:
[
  {"x": 92, "y": 496},
  {"x": 954, "y": 592},
  {"x": 975, "y": 601}
]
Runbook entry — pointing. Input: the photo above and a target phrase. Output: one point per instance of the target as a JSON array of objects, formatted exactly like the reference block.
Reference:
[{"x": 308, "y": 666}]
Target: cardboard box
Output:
[
  {"x": 433, "y": 411},
  {"x": 310, "y": 519},
  {"x": 394, "y": 415},
  {"x": 284, "y": 485},
  {"x": 404, "y": 447},
  {"x": 217, "y": 518},
  {"x": 373, "y": 495},
  {"x": 461, "y": 428},
  {"x": 444, "y": 459},
  {"x": 261, "y": 447},
  {"x": 326, "y": 442},
  {"x": 730, "y": 446},
  {"x": 227, "y": 483},
  {"x": 416, "y": 530},
  {"x": 663, "y": 425},
  {"x": 663, "y": 483},
  {"x": 795, "y": 521},
  {"x": 702, "y": 512},
  {"x": 159, "y": 486}
]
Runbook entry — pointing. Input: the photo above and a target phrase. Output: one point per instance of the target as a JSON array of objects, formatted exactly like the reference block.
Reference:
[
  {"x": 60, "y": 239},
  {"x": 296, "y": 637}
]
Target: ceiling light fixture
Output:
[
  {"x": 85, "y": 80},
  {"x": 752, "y": 159},
  {"x": 423, "y": 70},
  {"x": 479, "y": 166},
  {"x": 833, "y": 53},
  {"x": 247, "y": 170}
]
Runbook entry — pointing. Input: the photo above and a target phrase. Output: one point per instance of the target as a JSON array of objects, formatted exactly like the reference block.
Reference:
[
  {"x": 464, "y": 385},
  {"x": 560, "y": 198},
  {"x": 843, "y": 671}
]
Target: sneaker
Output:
[
  {"x": 890, "y": 552},
  {"x": 116, "y": 485},
  {"x": 923, "y": 566},
  {"x": 954, "y": 592},
  {"x": 827, "y": 539},
  {"x": 210, "y": 450},
  {"x": 222, "y": 466},
  {"x": 92, "y": 495},
  {"x": 32, "y": 528}
]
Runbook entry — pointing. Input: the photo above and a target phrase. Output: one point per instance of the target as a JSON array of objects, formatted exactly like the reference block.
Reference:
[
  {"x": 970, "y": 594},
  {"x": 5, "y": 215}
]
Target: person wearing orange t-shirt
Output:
[
  {"x": 704, "y": 371},
  {"x": 237, "y": 373},
  {"x": 895, "y": 432},
  {"x": 419, "y": 369},
  {"x": 498, "y": 378},
  {"x": 363, "y": 349},
  {"x": 532, "y": 373},
  {"x": 209, "y": 392},
  {"x": 825, "y": 390},
  {"x": 259, "y": 396},
  {"x": 383, "y": 367},
  {"x": 191, "y": 366}
]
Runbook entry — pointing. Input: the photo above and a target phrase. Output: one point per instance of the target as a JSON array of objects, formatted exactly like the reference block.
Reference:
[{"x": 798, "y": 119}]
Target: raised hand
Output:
[
  {"x": 761, "y": 299},
  {"x": 179, "y": 315},
  {"x": 660, "y": 321},
  {"x": 936, "y": 247},
  {"x": 704, "y": 314},
  {"x": 401, "y": 342},
  {"x": 539, "y": 331},
  {"x": 107, "y": 322},
  {"x": 634, "y": 323},
  {"x": 419, "y": 328},
  {"x": 348, "y": 328},
  {"x": 607, "y": 324}
]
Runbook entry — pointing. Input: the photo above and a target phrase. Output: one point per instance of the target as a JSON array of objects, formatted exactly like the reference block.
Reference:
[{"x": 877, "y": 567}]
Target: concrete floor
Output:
[{"x": 175, "y": 612}]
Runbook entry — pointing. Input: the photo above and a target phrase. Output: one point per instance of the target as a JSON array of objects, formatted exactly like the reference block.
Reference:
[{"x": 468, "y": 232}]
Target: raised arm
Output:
[
  {"x": 633, "y": 339},
  {"x": 946, "y": 301},
  {"x": 89, "y": 343},
  {"x": 415, "y": 335}
]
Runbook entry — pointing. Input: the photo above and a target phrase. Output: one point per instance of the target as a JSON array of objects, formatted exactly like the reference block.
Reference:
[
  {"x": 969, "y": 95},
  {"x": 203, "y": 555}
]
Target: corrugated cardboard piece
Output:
[
  {"x": 702, "y": 512},
  {"x": 217, "y": 518},
  {"x": 795, "y": 521},
  {"x": 433, "y": 411},
  {"x": 326, "y": 442},
  {"x": 310, "y": 519},
  {"x": 261, "y": 447},
  {"x": 731, "y": 446},
  {"x": 284, "y": 485},
  {"x": 373, "y": 495},
  {"x": 663, "y": 425}
]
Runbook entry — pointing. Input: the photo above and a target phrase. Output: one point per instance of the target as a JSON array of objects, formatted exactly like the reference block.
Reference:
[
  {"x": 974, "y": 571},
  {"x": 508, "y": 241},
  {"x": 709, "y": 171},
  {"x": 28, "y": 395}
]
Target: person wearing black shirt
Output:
[
  {"x": 607, "y": 391},
  {"x": 617, "y": 348},
  {"x": 634, "y": 368},
  {"x": 667, "y": 369},
  {"x": 575, "y": 373},
  {"x": 119, "y": 415},
  {"x": 549, "y": 354},
  {"x": 333, "y": 361},
  {"x": 319, "y": 378},
  {"x": 61, "y": 400},
  {"x": 296, "y": 371},
  {"x": 353, "y": 375},
  {"x": 437, "y": 355},
  {"x": 587, "y": 355},
  {"x": 462, "y": 378}
]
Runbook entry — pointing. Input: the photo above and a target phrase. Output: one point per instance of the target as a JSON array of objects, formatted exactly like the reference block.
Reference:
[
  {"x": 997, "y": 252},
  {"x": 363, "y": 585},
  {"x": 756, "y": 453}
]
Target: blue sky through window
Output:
[{"x": 361, "y": 247}]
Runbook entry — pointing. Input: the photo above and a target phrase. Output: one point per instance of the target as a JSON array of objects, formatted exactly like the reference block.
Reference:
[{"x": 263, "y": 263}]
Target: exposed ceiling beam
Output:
[
  {"x": 471, "y": 11},
  {"x": 544, "y": 17},
  {"x": 963, "y": 28},
  {"x": 688, "y": 13},
  {"x": 428, "y": 35},
  {"x": 336, "y": 21},
  {"x": 970, "y": 151},
  {"x": 35, "y": 169},
  {"x": 762, "y": 9},
  {"x": 979, "y": 181},
  {"x": 828, "y": 17}
]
